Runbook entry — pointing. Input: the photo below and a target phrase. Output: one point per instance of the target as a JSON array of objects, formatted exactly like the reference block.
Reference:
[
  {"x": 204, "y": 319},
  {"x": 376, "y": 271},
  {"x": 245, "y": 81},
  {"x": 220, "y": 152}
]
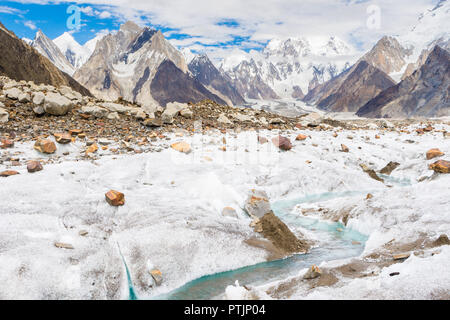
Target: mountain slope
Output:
[
  {"x": 75, "y": 53},
  {"x": 206, "y": 73},
  {"x": 19, "y": 61},
  {"x": 124, "y": 64},
  {"x": 171, "y": 84},
  {"x": 48, "y": 49},
  {"x": 424, "y": 93},
  {"x": 288, "y": 68}
]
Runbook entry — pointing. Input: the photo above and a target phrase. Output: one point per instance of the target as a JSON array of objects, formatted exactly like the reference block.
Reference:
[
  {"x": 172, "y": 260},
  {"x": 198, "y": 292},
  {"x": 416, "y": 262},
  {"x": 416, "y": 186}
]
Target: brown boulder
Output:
[
  {"x": 301, "y": 137},
  {"x": 441, "y": 166},
  {"x": 391, "y": 166},
  {"x": 63, "y": 138},
  {"x": 433, "y": 153},
  {"x": 34, "y": 166},
  {"x": 45, "y": 146},
  {"x": 282, "y": 142},
  {"x": 115, "y": 198},
  {"x": 6, "y": 143},
  {"x": 344, "y": 148},
  {"x": 8, "y": 173},
  {"x": 92, "y": 148}
]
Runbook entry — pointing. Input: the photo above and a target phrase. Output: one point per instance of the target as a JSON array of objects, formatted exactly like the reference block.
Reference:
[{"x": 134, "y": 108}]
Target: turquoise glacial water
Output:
[{"x": 340, "y": 244}]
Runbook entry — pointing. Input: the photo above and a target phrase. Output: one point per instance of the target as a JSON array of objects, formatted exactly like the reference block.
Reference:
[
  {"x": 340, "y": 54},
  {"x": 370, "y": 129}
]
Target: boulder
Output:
[
  {"x": 6, "y": 143},
  {"x": 301, "y": 137},
  {"x": 4, "y": 115},
  {"x": 181, "y": 146},
  {"x": 262, "y": 140},
  {"x": 39, "y": 110},
  {"x": 115, "y": 107},
  {"x": 113, "y": 116},
  {"x": 63, "y": 138},
  {"x": 391, "y": 166},
  {"x": 24, "y": 97},
  {"x": 95, "y": 111},
  {"x": 8, "y": 173},
  {"x": 257, "y": 204},
  {"x": 56, "y": 104},
  {"x": 34, "y": 166},
  {"x": 115, "y": 198},
  {"x": 92, "y": 148},
  {"x": 187, "y": 113},
  {"x": 433, "y": 153},
  {"x": 441, "y": 166},
  {"x": 62, "y": 245},
  {"x": 12, "y": 93},
  {"x": 223, "y": 119},
  {"x": 282, "y": 142},
  {"x": 45, "y": 146},
  {"x": 153, "y": 123}
]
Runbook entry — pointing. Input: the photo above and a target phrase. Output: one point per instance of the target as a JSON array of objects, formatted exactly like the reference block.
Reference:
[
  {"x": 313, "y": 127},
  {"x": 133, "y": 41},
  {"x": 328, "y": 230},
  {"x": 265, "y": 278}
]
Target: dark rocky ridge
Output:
[
  {"x": 424, "y": 93},
  {"x": 19, "y": 61},
  {"x": 171, "y": 84},
  {"x": 205, "y": 72}
]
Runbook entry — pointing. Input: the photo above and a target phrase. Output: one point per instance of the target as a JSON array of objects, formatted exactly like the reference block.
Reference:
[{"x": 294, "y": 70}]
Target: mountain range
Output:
[{"x": 391, "y": 80}]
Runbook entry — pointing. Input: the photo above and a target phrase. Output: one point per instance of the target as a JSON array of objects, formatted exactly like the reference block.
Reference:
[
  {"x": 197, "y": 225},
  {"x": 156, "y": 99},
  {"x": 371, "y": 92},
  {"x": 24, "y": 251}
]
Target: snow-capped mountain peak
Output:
[{"x": 75, "y": 53}]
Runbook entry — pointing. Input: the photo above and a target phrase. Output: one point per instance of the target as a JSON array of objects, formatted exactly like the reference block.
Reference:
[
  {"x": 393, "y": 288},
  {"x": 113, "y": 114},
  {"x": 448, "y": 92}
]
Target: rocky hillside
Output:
[
  {"x": 426, "y": 92},
  {"x": 206, "y": 73},
  {"x": 19, "y": 61}
]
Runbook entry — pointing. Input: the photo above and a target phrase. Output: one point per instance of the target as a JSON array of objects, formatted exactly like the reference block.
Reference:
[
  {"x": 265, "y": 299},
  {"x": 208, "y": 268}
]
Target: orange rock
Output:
[
  {"x": 6, "y": 143},
  {"x": 335, "y": 134},
  {"x": 433, "y": 153},
  {"x": 301, "y": 137},
  {"x": 344, "y": 148},
  {"x": 63, "y": 138},
  {"x": 8, "y": 173},
  {"x": 377, "y": 136},
  {"x": 45, "y": 146},
  {"x": 75, "y": 132},
  {"x": 441, "y": 166},
  {"x": 92, "y": 148},
  {"x": 105, "y": 148},
  {"x": 181, "y": 146},
  {"x": 115, "y": 198}
]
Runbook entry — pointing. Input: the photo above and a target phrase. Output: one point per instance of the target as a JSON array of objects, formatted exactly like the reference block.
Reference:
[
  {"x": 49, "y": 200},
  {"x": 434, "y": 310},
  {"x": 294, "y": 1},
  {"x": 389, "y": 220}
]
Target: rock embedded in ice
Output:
[
  {"x": 391, "y": 166},
  {"x": 115, "y": 198},
  {"x": 181, "y": 146},
  {"x": 34, "y": 166},
  {"x": 433, "y": 153},
  {"x": 344, "y": 148},
  {"x": 157, "y": 276},
  {"x": 45, "y": 146},
  {"x": 282, "y": 142},
  {"x": 401, "y": 256},
  {"x": 312, "y": 273},
  {"x": 262, "y": 140},
  {"x": 8, "y": 173},
  {"x": 63, "y": 245},
  {"x": 440, "y": 166},
  {"x": 257, "y": 204},
  {"x": 92, "y": 148},
  {"x": 301, "y": 137},
  {"x": 229, "y": 212},
  {"x": 370, "y": 172}
]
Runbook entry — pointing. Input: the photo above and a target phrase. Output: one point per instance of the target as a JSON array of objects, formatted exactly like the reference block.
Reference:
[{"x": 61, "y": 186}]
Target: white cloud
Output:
[
  {"x": 261, "y": 20},
  {"x": 30, "y": 24},
  {"x": 104, "y": 15}
]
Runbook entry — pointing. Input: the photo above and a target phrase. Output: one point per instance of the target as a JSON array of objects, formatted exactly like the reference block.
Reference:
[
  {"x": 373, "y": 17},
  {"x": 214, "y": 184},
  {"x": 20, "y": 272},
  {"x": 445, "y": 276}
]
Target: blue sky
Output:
[{"x": 220, "y": 27}]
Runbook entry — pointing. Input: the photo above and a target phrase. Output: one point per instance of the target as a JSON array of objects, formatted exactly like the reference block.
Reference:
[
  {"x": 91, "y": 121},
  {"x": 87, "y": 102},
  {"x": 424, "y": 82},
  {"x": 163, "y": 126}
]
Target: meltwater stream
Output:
[{"x": 337, "y": 242}]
